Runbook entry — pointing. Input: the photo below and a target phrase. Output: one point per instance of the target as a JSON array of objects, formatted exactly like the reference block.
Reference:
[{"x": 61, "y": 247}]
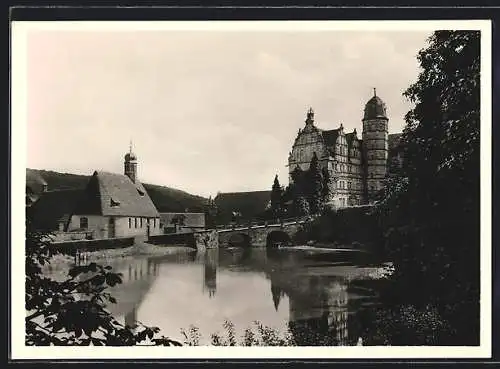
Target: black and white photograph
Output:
[{"x": 251, "y": 189}]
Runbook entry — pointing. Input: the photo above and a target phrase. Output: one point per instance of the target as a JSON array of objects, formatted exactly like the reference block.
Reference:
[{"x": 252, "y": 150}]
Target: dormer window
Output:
[
  {"x": 141, "y": 193},
  {"x": 114, "y": 203}
]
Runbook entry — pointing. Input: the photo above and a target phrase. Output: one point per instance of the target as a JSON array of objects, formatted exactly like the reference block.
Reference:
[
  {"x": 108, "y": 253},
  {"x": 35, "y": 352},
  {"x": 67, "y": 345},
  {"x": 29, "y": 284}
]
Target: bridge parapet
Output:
[{"x": 258, "y": 235}]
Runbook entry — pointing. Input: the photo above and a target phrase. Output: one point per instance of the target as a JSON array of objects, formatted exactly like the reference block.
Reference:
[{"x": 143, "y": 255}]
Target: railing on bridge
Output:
[{"x": 259, "y": 224}]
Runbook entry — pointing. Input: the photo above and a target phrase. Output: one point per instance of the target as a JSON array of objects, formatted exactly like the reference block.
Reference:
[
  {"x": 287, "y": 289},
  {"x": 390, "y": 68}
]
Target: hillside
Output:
[
  {"x": 250, "y": 204},
  {"x": 166, "y": 199}
]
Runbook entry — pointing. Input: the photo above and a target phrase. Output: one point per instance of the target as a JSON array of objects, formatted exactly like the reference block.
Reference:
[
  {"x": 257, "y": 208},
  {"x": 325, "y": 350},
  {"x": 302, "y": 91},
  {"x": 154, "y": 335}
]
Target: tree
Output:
[
  {"x": 211, "y": 212},
  {"x": 73, "y": 312},
  {"x": 326, "y": 185},
  {"x": 298, "y": 180},
  {"x": 301, "y": 206},
  {"x": 431, "y": 216},
  {"x": 315, "y": 184},
  {"x": 276, "y": 198}
]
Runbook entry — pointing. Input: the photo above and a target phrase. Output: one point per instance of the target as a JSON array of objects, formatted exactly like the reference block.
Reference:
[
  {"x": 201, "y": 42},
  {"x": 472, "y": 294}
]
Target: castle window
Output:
[
  {"x": 84, "y": 223},
  {"x": 135, "y": 221},
  {"x": 130, "y": 222},
  {"x": 141, "y": 222}
]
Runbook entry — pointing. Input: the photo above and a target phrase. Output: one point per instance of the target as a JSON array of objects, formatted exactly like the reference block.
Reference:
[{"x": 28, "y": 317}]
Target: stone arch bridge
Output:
[{"x": 252, "y": 235}]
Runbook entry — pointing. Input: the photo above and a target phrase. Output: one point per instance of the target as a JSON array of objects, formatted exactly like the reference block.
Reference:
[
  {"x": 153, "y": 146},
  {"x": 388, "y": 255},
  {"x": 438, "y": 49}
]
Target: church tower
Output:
[
  {"x": 375, "y": 145},
  {"x": 130, "y": 164}
]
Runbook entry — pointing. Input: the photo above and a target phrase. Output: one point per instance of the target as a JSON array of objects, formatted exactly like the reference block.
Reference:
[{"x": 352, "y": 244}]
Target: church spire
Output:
[
  {"x": 130, "y": 164},
  {"x": 310, "y": 116},
  {"x": 374, "y": 91}
]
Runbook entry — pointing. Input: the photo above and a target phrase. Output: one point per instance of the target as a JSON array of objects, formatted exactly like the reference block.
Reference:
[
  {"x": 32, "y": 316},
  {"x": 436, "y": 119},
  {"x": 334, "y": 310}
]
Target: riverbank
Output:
[{"x": 111, "y": 255}]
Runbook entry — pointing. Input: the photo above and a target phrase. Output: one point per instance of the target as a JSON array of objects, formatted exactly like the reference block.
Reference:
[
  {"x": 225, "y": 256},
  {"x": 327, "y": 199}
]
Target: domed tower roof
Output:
[
  {"x": 375, "y": 108},
  {"x": 130, "y": 155}
]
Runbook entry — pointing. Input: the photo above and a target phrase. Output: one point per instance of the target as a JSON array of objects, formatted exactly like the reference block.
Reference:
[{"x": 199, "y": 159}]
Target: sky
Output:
[{"x": 206, "y": 111}]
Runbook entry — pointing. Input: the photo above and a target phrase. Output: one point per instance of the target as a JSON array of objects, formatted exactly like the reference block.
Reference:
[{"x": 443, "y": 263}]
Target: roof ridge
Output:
[
  {"x": 227, "y": 193},
  {"x": 65, "y": 189}
]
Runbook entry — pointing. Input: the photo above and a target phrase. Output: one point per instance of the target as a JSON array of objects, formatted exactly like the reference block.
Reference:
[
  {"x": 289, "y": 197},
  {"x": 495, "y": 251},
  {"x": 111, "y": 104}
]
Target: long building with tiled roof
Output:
[
  {"x": 116, "y": 205},
  {"x": 356, "y": 167}
]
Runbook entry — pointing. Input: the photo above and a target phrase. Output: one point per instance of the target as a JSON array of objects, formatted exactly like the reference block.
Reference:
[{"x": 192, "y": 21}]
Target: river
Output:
[{"x": 316, "y": 299}]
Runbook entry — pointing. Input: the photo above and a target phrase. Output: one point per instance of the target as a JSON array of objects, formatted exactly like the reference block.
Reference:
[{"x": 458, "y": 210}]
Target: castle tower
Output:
[
  {"x": 375, "y": 145},
  {"x": 130, "y": 164}
]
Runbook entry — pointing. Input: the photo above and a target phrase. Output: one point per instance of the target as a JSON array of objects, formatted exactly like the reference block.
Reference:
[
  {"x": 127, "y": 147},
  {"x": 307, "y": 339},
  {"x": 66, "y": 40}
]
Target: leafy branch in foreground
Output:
[{"x": 73, "y": 311}]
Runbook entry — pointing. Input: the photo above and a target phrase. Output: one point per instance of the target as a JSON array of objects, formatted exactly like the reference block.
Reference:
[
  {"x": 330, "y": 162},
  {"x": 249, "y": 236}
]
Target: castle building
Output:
[{"x": 356, "y": 167}]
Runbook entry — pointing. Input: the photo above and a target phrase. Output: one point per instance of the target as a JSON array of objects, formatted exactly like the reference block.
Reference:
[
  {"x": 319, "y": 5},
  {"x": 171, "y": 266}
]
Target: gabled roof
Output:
[
  {"x": 350, "y": 137},
  {"x": 54, "y": 207},
  {"x": 112, "y": 194},
  {"x": 330, "y": 137}
]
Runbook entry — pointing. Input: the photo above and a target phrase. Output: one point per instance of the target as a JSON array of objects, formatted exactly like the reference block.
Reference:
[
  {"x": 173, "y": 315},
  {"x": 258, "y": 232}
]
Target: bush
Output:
[
  {"x": 405, "y": 325},
  {"x": 73, "y": 312}
]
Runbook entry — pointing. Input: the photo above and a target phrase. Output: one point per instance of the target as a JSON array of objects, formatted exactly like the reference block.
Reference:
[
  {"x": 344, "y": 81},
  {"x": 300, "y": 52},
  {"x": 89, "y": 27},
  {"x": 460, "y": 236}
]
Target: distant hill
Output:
[
  {"x": 166, "y": 199},
  {"x": 251, "y": 204}
]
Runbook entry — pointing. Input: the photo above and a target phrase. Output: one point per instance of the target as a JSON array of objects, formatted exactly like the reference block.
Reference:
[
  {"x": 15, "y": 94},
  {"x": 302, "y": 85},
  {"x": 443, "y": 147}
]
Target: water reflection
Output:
[
  {"x": 281, "y": 289},
  {"x": 210, "y": 262}
]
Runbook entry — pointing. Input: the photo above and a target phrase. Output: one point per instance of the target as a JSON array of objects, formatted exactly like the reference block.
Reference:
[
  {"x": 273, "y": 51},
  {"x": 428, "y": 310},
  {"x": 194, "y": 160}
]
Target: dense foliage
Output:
[
  {"x": 295, "y": 334},
  {"x": 73, "y": 311},
  {"x": 276, "y": 198},
  {"x": 430, "y": 217},
  {"x": 307, "y": 191},
  {"x": 315, "y": 185}
]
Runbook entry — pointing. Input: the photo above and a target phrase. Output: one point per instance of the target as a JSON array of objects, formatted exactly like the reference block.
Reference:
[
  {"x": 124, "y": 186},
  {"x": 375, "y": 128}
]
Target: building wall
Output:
[
  {"x": 306, "y": 144},
  {"x": 342, "y": 161},
  {"x": 341, "y": 171},
  {"x": 192, "y": 221},
  {"x": 132, "y": 226},
  {"x": 124, "y": 226},
  {"x": 376, "y": 146},
  {"x": 96, "y": 223}
]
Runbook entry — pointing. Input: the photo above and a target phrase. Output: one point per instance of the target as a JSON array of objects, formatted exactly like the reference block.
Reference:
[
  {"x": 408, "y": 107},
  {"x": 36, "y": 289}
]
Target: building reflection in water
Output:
[
  {"x": 137, "y": 278},
  {"x": 318, "y": 305},
  {"x": 277, "y": 293},
  {"x": 210, "y": 263}
]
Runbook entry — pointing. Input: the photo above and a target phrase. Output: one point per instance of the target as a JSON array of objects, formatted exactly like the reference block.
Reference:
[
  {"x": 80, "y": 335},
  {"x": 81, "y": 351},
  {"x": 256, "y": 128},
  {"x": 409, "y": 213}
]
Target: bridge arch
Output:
[
  {"x": 277, "y": 237},
  {"x": 239, "y": 239}
]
